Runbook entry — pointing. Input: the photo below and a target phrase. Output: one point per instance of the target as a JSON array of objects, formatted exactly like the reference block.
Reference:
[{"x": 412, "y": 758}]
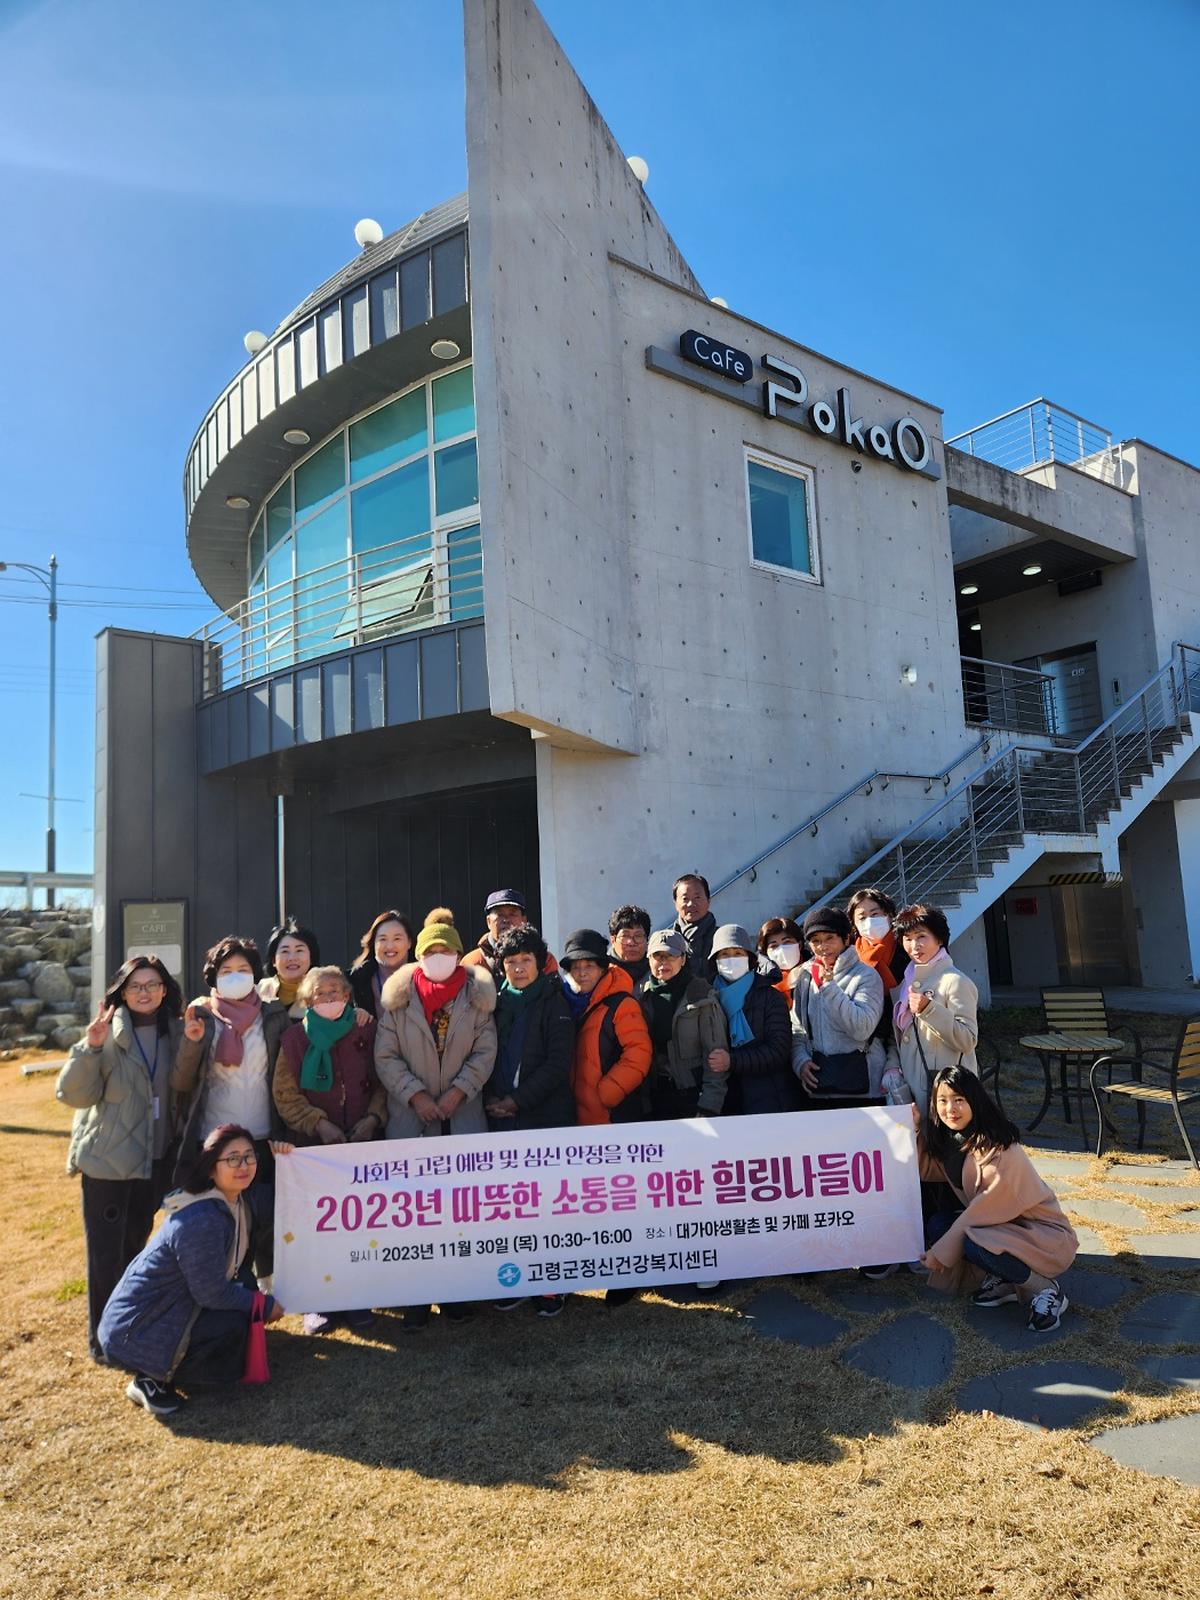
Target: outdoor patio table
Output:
[{"x": 1079, "y": 1047}]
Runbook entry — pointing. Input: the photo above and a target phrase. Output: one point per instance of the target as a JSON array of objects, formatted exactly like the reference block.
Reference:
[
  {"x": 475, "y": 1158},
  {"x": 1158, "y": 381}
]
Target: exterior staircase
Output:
[{"x": 993, "y": 825}]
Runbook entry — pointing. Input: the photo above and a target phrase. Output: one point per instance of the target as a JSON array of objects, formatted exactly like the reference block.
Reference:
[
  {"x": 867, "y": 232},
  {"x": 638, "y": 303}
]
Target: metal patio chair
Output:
[
  {"x": 1076, "y": 1027},
  {"x": 1182, "y": 1070}
]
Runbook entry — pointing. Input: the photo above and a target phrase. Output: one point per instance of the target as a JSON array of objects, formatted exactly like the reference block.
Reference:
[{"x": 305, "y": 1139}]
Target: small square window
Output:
[{"x": 780, "y": 502}]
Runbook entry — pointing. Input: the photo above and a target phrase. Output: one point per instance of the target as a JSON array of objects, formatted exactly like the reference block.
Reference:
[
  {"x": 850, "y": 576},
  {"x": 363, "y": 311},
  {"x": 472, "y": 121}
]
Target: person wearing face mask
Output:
[
  {"x": 871, "y": 914},
  {"x": 781, "y": 950},
  {"x": 291, "y": 951},
  {"x": 117, "y": 1077},
  {"x": 760, "y": 1034},
  {"x": 225, "y": 1064},
  {"x": 837, "y": 1001},
  {"x": 689, "y": 1073},
  {"x": 435, "y": 1048},
  {"x": 325, "y": 1086},
  {"x": 385, "y": 948}
]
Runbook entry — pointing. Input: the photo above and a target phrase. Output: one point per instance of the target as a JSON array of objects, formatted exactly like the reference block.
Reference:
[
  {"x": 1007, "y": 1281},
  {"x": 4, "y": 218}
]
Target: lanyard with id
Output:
[{"x": 150, "y": 1066}]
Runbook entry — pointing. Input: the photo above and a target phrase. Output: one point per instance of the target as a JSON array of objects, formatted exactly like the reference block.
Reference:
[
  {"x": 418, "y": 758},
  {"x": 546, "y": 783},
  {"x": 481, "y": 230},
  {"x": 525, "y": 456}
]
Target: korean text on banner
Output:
[{"x": 413, "y": 1221}]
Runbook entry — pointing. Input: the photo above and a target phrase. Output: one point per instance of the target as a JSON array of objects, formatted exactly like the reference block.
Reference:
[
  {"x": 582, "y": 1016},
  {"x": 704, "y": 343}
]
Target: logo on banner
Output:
[{"x": 509, "y": 1274}]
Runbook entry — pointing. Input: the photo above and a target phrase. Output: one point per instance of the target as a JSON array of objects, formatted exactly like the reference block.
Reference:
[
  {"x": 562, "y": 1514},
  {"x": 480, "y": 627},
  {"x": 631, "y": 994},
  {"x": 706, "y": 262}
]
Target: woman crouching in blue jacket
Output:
[{"x": 181, "y": 1312}]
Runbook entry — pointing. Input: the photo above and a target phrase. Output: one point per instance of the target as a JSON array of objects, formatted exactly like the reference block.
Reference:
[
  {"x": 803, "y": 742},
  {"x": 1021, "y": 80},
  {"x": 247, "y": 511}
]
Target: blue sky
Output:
[{"x": 978, "y": 203}]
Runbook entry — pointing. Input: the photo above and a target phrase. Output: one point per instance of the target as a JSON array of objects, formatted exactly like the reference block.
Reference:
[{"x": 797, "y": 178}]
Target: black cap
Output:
[
  {"x": 829, "y": 920},
  {"x": 585, "y": 944}
]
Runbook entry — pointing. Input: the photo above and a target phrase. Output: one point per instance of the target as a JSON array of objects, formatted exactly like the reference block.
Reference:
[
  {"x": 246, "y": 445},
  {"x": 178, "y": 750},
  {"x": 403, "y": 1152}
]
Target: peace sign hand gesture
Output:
[
  {"x": 97, "y": 1028},
  {"x": 193, "y": 1025}
]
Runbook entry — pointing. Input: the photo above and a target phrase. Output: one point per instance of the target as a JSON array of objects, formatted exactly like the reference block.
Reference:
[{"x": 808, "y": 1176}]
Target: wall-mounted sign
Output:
[
  {"x": 155, "y": 928},
  {"x": 723, "y": 358},
  {"x": 1025, "y": 906},
  {"x": 784, "y": 396}
]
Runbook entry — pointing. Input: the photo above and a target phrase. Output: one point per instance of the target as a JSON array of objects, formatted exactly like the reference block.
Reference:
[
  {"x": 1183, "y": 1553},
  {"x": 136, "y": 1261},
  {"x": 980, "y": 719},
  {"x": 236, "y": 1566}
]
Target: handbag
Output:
[
  {"x": 256, "y": 1369},
  {"x": 842, "y": 1072}
]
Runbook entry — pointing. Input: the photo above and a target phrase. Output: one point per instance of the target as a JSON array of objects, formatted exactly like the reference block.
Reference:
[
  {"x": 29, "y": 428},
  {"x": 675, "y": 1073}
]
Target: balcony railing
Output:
[
  {"x": 1041, "y": 432},
  {"x": 415, "y": 583},
  {"x": 996, "y": 695}
]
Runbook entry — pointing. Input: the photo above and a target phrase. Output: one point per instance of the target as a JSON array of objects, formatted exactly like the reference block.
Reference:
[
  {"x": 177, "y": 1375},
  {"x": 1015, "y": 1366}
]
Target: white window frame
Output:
[{"x": 807, "y": 476}]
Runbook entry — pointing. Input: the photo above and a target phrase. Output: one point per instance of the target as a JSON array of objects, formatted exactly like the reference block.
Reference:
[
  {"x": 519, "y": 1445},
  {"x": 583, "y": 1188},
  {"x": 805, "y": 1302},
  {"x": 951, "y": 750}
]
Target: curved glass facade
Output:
[{"x": 374, "y": 532}]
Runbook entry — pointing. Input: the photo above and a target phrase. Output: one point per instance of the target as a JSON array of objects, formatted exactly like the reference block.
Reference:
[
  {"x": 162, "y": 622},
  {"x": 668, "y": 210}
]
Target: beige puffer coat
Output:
[
  {"x": 407, "y": 1061},
  {"x": 112, "y": 1135}
]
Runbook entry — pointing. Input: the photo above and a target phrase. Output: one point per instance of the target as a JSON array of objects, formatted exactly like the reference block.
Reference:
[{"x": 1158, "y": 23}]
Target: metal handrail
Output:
[
  {"x": 999, "y": 695},
  {"x": 864, "y": 786},
  {"x": 1001, "y": 800},
  {"x": 1042, "y": 431}
]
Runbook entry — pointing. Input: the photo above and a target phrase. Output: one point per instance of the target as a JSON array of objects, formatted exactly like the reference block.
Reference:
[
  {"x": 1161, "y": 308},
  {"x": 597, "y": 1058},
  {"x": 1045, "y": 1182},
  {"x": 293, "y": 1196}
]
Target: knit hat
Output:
[
  {"x": 667, "y": 942},
  {"x": 504, "y": 897},
  {"x": 438, "y": 933},
  {"x": 828, "y": 919},
  {"x": 585, "y": 944},
  {"x": 732, "y": 936}
]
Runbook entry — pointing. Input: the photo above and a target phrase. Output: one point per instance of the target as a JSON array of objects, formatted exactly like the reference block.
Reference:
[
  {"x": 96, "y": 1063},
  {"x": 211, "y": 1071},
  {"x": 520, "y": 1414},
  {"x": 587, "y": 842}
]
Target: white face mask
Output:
[
  {"x": 438, "y": 967},
  {"x": 732, "y": 968},
  {"x": 234, "y": 985},
  {"x": 875, "y": 927},
  {"x": 785, "y": 956}
]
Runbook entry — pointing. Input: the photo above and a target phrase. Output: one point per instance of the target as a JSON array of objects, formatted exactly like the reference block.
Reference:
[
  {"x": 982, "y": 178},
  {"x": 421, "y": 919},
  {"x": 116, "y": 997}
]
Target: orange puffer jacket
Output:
[{"x": 598, "y": 1093}]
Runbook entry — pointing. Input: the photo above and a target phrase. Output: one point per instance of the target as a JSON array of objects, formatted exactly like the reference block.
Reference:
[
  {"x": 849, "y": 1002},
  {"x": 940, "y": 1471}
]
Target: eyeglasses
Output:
[
  {"x": 250, "y": 1159},
  {"x": 145, "y": 988}
]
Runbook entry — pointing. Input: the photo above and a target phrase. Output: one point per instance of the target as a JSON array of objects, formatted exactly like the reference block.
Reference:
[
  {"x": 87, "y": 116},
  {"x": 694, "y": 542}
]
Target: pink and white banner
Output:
[{"x": 489, "y": 1216}]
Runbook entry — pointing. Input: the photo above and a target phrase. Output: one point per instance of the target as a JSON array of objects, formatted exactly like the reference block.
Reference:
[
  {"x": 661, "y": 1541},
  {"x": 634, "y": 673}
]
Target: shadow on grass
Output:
[
  {"x": 49, "y": 1133},
  {"x": 510, "y": 1399}
]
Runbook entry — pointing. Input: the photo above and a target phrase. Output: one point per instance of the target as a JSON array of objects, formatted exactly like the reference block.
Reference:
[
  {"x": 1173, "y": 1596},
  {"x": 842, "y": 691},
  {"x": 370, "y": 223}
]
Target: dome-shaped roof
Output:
[{"x": 429, "y": 225}]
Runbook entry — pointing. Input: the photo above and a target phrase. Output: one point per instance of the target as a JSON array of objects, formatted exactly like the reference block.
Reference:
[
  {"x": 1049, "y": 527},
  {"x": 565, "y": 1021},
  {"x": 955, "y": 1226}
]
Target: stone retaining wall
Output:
[{"x": 45, "y": 978}]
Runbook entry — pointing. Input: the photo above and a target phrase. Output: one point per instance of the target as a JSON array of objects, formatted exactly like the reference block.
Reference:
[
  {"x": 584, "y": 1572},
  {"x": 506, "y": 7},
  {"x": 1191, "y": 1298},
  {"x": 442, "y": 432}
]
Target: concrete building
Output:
[{"x": 537, "y": 566}]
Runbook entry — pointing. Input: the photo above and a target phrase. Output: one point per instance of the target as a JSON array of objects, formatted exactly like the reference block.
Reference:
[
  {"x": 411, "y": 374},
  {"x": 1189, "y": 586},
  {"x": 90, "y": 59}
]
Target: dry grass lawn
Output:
[{"x": 655, "y": 1450}]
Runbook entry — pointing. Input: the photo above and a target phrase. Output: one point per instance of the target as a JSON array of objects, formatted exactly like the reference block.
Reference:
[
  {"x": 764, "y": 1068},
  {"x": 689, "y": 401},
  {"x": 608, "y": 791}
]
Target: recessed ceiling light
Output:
[
  {"x": 969, "y": 588},
  {"x": 1030, "y": 572},
  {"x": 237, "y": 502},
  {"x": 295, "y": 436},
  {"x": 445, "y": 350},
  {"x": 976, "y": 627}
]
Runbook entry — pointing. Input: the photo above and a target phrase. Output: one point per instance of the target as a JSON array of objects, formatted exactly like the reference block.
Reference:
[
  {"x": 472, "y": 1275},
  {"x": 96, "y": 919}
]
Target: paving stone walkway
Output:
[{"x": 1149, "y": 1328}]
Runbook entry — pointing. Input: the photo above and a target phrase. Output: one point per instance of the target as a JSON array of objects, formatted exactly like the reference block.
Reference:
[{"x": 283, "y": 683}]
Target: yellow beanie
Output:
[{"x": 438, "y": 933}]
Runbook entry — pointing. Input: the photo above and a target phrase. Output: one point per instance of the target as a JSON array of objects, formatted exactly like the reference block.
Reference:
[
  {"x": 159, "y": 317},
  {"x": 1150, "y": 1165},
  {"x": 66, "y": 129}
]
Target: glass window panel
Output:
[
  {"x": 235, "y": 414},
  {"x": 457, "y": 477},
  {"x": 322, "y": 581},
  {"x": 322, "y": 475},
  {"x": 453, "y": 405},
  {"x": 385, "y": 307},
  {"x": 402, "y": 598},
  {"x": 414, "y": 290},
  {"x": 266, "y": 385},
  {"x": 285, "y": 369},
  {"x": 278, "y": 516},
  {"x": 222, "y": 430},
  {"x": 279, "y": 642},
  {"x": 256, "y": 547},
  {"x": 464, "y": 555},
  {"x": 392, "y": 508},
  {"x": 449, "y": 274},
  {"x": 331, "y": 338},
  {"x": 356, "y": 335},
  {"x": 388, "y": 435},
  {"x": 307, "y": 340},
  {"x": 779, "y": 518},
  {"x": 250, "y": 400}
]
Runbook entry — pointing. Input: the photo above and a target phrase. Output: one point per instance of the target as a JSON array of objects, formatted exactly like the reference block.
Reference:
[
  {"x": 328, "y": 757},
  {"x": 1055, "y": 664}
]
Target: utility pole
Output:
[{"x": 48, "y": 578}]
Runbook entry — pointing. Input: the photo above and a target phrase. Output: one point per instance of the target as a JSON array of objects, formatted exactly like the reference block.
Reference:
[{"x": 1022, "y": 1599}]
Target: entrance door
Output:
[
  {"x": 1091, "y": 932},
  {"x": 1075, "y": 677}
]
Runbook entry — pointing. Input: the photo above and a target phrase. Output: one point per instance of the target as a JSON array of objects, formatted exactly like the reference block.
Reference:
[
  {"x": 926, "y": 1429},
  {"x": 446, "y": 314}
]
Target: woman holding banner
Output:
[{"x": 435, "y": 1047}]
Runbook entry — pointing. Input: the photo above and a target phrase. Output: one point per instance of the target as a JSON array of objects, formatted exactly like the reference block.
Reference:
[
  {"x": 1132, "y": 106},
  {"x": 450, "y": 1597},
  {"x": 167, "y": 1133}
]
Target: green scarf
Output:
[
  {"x": 316, "y": 1071},
  {"x": 511, "y": 1002}
]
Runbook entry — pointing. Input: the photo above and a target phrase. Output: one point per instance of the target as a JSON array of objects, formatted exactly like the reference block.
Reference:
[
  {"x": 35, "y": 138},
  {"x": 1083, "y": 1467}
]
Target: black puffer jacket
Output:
[
  {"x": 543, "y": 1092},
  {"x": 761, "y": 1079}
]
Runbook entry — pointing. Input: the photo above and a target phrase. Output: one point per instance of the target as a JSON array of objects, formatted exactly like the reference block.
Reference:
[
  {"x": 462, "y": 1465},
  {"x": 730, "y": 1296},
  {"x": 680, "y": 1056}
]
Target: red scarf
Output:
[
  {"x": 879, "y": 953},
  {"x": 238, "y": 1017},
  {"x": 433, "y": 996}
]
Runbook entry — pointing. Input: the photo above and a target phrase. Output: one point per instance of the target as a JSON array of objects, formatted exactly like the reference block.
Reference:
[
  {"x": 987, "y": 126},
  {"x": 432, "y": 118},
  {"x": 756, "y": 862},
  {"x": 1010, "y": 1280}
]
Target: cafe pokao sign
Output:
[{"x": 784, "y": 394}]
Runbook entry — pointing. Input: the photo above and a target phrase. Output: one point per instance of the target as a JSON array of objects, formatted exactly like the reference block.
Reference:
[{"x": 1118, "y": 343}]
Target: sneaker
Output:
[
  {"x": 707, "y": 1285},
  {"x": 883, "y": 1270},
  {"x": 159, "y": 1399},
  {"x": 1046, "y": 1309},
  {"x": 457, "y": 1313},
  {"x": 317, "y": 1322},
  {"x": 363, "y": 1318},
  {"x": 549, "y": 1305},
  {"x": 994, "y": 1291},
  {"x": 415, "y": 1318},
  {"x": 619, "y": 1297},
  {"x": 509, "y": 1305}
]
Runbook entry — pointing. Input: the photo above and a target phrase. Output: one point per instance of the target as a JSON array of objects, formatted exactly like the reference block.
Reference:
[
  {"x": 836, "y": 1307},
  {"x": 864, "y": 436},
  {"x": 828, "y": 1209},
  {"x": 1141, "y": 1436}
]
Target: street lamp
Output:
[{"x": 48, "y": 578}]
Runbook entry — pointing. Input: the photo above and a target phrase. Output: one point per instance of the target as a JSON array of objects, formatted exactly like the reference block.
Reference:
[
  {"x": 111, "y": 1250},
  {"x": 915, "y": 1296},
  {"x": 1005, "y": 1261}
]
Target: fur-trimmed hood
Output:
[{"x": 480, "y": 989}]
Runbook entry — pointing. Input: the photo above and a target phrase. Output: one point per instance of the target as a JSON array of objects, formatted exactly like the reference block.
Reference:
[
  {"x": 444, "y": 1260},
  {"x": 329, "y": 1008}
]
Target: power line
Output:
[
  {"x": 112, "y": 605},
  {"x": 117, "y": 588}
]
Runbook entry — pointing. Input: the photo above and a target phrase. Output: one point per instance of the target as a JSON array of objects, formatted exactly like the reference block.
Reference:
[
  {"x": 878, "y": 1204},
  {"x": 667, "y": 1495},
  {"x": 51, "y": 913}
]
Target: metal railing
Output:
[
  {"x": 997, "y": 695},
  {"x": 27, "y": 882},
  {"x": 419, "y": 582},
  {"x": 1041, "y": 431},
  {"x": 864, "y": 786},
  {"x": 1029, "y": 789}
]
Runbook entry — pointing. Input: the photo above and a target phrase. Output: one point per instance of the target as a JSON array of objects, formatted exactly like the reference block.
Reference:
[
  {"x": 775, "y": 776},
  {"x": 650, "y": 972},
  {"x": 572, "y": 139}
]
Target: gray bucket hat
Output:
[{"x": 732, "y": 936}]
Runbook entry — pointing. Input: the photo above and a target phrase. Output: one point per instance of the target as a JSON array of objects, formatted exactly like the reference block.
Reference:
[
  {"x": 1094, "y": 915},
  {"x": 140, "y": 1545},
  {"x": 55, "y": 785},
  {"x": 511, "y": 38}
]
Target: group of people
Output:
[{"x": 187, "y": 1107}]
